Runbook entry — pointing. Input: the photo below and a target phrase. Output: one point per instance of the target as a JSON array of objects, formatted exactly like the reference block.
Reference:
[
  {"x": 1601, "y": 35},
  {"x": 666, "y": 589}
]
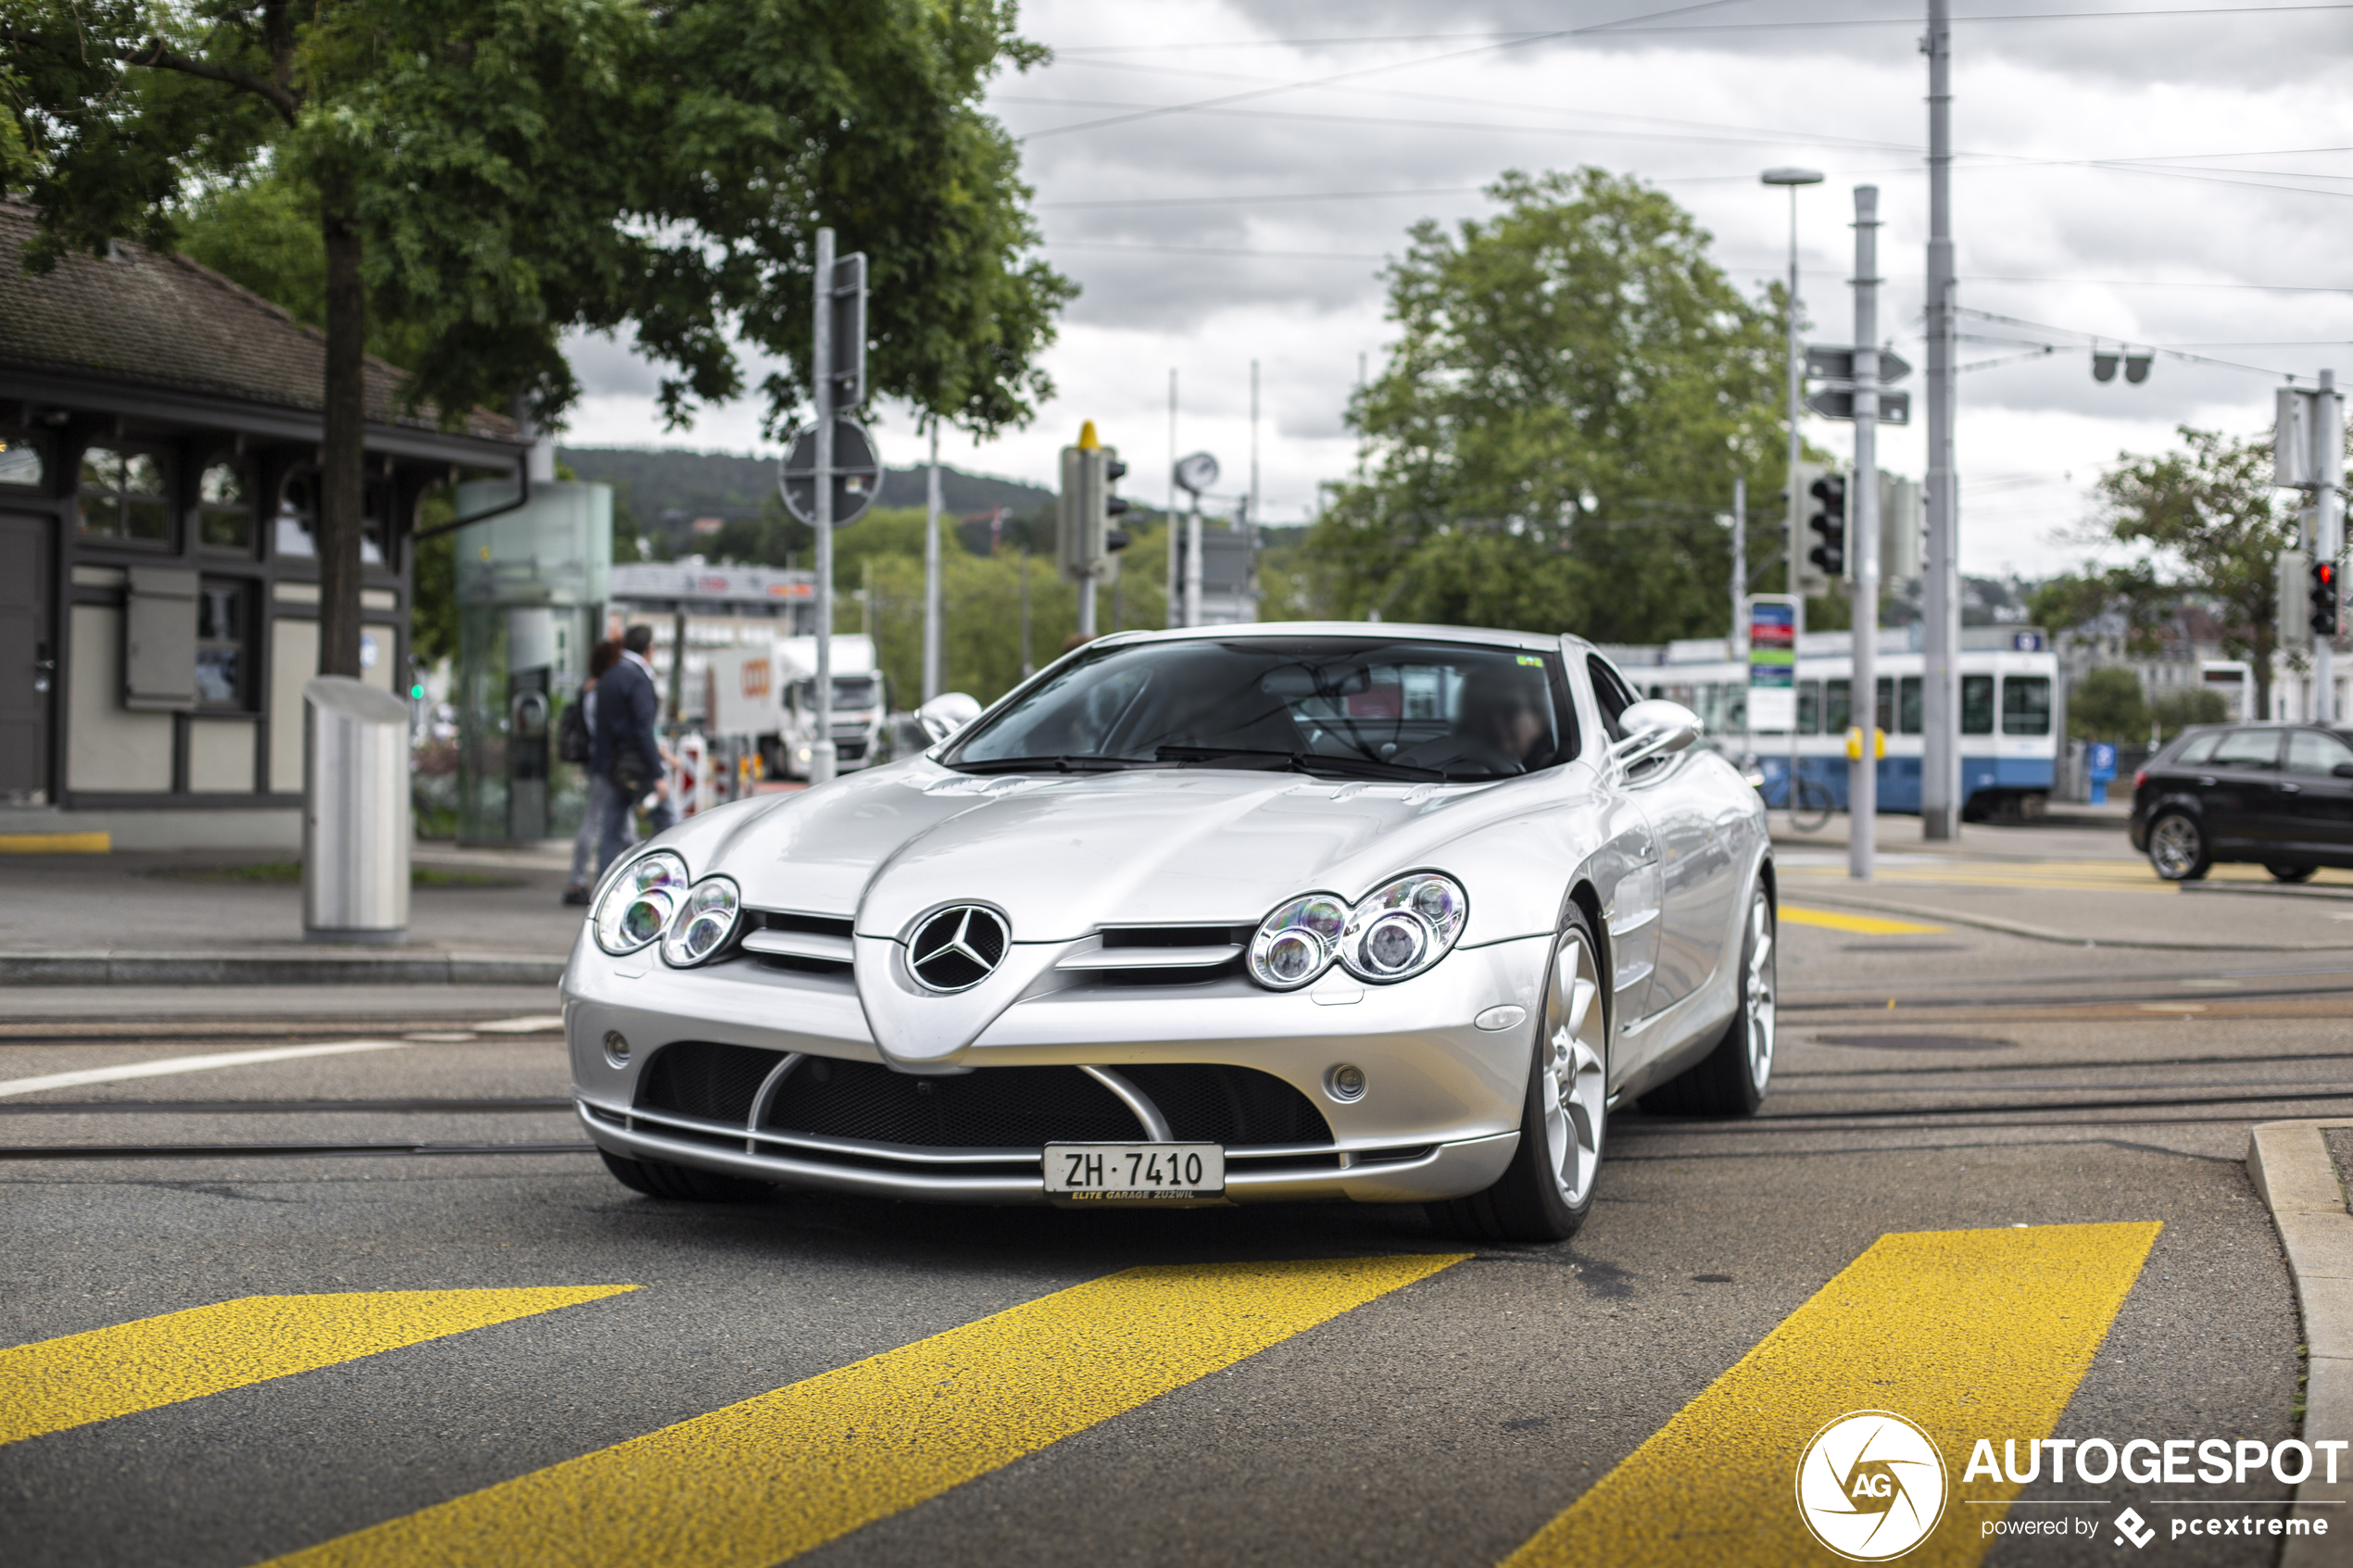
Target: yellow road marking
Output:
[
  {"x": 56, "y": 843},
  {"x": 59, "y": 1384},
  {"x": 786, "y": 1471},
  {"x": 1873, "y": 925},
  {"x": 1970, "y": 1333}
]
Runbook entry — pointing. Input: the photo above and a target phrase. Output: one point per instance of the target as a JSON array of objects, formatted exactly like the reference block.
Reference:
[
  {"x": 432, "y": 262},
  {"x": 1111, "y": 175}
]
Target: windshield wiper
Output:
[
  {"x": 1295, "y": 761},
  {"x": 1046, "y": 765}
]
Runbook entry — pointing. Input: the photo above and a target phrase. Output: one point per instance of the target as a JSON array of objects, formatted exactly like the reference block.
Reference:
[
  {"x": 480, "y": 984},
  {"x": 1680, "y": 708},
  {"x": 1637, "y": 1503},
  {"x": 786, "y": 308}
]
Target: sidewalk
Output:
[
  {"x": 2072, "y": 832},
  {"x": 476, "y": 916}
]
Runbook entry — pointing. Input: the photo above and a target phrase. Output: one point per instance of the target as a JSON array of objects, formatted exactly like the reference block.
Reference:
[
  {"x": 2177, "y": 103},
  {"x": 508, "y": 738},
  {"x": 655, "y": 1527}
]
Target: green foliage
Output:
[
  {"x": 433, "y": 590},
  {"x": 1575, "y": 386},
  {"x": 2177, "y": 710},
  {"x": 519, "y": 168},
  {"x": 2107, "y": 705}
]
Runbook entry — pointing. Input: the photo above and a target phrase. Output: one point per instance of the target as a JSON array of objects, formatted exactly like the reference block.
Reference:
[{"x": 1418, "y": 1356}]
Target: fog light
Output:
[
  {"x": 616, "y": 1047},
  {"x": 1345, "y": 1082}
]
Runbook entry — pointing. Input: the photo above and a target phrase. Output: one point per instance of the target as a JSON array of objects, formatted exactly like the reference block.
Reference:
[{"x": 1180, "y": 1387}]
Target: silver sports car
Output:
[{"x": 1265, "y": 913}]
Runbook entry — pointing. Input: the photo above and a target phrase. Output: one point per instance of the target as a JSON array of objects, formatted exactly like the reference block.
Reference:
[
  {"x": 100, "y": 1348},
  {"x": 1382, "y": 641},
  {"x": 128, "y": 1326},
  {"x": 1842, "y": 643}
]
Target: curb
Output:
[
  {"x": 2044, "y": 934},
  {"x": 279, "y": 969},
  {"x": 2292, "y": 1170}
]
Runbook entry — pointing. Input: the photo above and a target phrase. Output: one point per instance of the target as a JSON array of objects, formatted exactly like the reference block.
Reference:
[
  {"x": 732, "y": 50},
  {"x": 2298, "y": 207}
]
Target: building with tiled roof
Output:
[{"x": 159, "y": 436}]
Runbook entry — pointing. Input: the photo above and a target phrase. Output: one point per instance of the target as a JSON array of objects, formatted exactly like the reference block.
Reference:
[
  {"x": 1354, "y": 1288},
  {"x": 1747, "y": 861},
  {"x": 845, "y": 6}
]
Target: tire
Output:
[
  {"x": 1547, "y": 1191},
  {"x": 1810, "y": 806},
  {"x": 682, "y": 1184},
  {"x": 2178, "y": 849},
  {"x": 1733, "y": 1078},
  {"x": 2290, "y": 874}
]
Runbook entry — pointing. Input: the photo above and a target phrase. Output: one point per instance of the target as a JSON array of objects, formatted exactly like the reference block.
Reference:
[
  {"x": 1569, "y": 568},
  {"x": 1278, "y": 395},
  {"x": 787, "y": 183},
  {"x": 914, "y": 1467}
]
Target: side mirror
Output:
[
  {"x": 1655, "y": 729},
  {"x": 947, "y": 713}
]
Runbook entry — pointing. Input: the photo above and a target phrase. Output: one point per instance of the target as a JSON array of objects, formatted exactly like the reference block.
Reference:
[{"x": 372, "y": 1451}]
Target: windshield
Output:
[{"x": 1364, "y": 707}]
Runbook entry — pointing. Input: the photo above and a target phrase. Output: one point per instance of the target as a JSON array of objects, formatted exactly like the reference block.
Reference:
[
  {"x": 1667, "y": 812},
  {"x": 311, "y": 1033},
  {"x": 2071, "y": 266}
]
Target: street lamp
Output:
[{"x": 1793, "y": 177}]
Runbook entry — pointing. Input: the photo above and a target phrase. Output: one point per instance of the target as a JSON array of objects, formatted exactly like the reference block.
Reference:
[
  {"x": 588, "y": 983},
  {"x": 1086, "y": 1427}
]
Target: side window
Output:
[
  {"x": 2026, "y": 704},
  {"x": 1977, "y": 705},
  {"x": 2248, "y": 748},
  {"x": 123, "y": 495},
  {"x": 2199, "y": 749},
  {"x": 1838, "y": 706},
  {"x": 224, "y": 508},
  {"x": 1907, "y": 707},
  {"x": 1810, "y": 707},
  {"x": 2313, "y": 751},
  {"x": 1609, "y": 690}
]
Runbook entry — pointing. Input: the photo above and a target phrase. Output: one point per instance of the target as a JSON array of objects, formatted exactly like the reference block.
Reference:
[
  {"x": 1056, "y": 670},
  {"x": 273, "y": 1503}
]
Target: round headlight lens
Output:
[
  {"x": 1294, "y": 944},
  {"x": 1403, "y": 928},
  {"x": 703, "y": 926},
  {"x": 638, "y": 902}
]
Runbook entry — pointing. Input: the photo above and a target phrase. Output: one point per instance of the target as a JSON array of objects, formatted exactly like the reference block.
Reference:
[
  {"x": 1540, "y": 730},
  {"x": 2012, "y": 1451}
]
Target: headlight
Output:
[
  {"x": 1403, "y": 928},
  {"x": 636, "y": 904},
  {"x": 702, "y": 929},
  {"x": 1295, "y": 944}
]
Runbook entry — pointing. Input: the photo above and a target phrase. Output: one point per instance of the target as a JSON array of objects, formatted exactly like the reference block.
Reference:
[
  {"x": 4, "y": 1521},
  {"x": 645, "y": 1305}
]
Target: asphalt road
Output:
[{"x": 1444, "y": 1408}]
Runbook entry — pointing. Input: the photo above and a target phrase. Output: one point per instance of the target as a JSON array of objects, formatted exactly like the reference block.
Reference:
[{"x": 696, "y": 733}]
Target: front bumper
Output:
[{"x": 1439, "y": 1118}]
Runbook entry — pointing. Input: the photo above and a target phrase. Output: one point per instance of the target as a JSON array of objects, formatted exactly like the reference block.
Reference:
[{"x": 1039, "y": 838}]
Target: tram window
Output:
[
  {"x": 1908, "y": 705},
  {"x": 1977, "y": 705},
  {"x": 2026, "y": 704},
  {"x": 1810, "y": 707},
  {"x": 1837, "y": 706},
  {"x": 1884, "y": 715}
]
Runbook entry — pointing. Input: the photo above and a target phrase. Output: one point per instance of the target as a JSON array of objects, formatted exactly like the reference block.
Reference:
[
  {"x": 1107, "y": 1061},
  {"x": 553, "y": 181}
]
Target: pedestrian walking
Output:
[
  {"x": 575, "y": 743},
  {"x": 626, "y": 748}
]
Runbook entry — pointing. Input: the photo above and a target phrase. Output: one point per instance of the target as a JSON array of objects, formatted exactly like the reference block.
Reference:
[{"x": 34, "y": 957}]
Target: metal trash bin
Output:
[{"x": 355, "y": 815}]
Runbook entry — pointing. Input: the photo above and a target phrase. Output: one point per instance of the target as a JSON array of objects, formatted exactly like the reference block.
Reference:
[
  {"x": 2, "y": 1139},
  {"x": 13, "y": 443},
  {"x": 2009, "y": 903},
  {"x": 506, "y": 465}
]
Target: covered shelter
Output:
[{"x": 161, "y": 433}]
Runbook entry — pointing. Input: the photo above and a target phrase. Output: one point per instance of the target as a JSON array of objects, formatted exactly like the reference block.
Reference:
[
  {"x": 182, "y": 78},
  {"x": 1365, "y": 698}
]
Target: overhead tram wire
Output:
[
  {"x": 2091, "y": 337},
  {"x": 1819, "y": 23}
]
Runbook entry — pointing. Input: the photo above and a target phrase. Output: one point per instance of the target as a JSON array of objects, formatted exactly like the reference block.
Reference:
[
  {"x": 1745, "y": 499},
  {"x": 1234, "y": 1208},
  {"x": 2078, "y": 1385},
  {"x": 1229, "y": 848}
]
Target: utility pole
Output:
[
  {"x": 1028, "y": 666},
  {"x": 2328, "y": 529},
  {"x": 931, "y": 572},
  {"x": 1172, "y": 613},
  {"x": 820, "y": 748},
  {"x": 1248, "y": 519},
  {"x": 1739, "y": 561},
  {"x": 1192, "y": 565},
  {"x": 1862, "y": 790},
  {"x": 1792, "y": 179},
  {"x": 1941, "y": 639}
]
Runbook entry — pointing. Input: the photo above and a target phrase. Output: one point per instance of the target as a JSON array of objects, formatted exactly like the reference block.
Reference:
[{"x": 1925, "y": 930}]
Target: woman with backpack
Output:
[{"x": 571, "y": 744}]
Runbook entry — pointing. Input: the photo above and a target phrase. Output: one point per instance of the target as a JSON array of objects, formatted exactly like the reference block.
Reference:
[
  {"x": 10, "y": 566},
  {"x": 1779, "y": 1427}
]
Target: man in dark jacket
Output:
[{"x": 624, "y": 748}]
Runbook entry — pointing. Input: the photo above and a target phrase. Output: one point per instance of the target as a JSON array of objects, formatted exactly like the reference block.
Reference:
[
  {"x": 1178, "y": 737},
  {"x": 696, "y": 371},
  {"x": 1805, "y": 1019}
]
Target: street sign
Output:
[
  {"x": 1834, "y": 361},
  {"x": 1772, "y": 663},
  {"x": 857, "y": 473},
  {"x": 849, "y": 336},
  {"x": 2026, "y": 641},
  {"x": 1838, "y": 403}
]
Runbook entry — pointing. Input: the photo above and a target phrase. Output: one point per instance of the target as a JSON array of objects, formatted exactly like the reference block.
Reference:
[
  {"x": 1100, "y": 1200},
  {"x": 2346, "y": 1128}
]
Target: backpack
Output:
[{"x": 571, "y": 733}]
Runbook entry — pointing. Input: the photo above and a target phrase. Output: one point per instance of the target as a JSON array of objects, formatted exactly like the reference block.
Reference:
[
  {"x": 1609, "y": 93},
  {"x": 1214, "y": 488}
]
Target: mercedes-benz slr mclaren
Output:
[{"x": 1288, "y": 912}]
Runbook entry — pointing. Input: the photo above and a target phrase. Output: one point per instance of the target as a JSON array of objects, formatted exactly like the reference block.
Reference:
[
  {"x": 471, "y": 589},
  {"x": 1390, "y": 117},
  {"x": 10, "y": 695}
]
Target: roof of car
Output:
[{"x": 1351, "y": 629}]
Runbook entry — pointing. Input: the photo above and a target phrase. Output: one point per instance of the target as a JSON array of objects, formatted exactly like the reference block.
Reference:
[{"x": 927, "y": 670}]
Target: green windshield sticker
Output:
[{"x": 1531, "y": 658}]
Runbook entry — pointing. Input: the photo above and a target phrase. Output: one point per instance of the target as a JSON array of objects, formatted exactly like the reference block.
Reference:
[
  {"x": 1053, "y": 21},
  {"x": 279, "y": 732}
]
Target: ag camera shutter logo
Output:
[{"x": 1871, "y": 1485}]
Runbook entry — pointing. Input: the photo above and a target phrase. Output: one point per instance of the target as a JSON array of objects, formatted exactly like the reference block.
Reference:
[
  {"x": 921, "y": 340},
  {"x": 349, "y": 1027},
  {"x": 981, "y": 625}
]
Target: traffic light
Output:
[
  {"x": 1087, "y": 540},
  {"x": 1828, "y": 521},
  {"x": 2324, "y": 598}
]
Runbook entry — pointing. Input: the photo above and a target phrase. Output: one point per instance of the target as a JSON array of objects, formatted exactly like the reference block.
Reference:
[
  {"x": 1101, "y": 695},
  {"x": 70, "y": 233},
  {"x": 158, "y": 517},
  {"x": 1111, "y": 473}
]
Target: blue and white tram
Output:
[{"x": 2008, "y": 738}]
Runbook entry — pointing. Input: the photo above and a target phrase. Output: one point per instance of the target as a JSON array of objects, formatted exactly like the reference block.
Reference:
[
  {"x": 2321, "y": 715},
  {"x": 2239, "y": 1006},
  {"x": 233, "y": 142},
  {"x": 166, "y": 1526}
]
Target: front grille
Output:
[
  {"x": 1229, "y": 1105},
  {"x": 812, "y": 925},
  {"x": 994, "y": 1108},
  {"x": 1143, "y": 940},
  {"x": 1177, "y": 936},
  {"x": 700, "y": 1078}
]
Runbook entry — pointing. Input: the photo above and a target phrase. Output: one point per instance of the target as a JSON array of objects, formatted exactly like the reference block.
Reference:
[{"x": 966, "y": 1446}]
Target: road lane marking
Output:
[
  {"x": 169, "y": 1065},
  {"x": 777, "y": 1475},
  {"x": 1968, "y": 1333},
  {"x": 1869, "y": 925},
  {"x": 105, "y": 1372}
]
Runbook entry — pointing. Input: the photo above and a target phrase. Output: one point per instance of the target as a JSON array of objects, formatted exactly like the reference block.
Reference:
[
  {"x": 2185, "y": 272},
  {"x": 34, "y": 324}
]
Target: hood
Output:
[{"x": 1062, "y": 855}]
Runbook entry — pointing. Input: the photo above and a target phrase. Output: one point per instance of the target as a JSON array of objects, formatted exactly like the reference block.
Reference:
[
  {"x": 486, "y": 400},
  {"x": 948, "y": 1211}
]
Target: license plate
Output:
[{"x": 1134, "y": 1173}]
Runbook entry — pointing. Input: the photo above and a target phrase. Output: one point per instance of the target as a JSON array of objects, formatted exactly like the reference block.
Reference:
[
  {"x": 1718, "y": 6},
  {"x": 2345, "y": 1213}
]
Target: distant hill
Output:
[{"x": 656, "y": 482}]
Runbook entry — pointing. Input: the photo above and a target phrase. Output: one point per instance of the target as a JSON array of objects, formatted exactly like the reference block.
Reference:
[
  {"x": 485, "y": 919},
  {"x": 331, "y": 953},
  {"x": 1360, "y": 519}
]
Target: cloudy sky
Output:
[{"x": 1226, "y": 179}]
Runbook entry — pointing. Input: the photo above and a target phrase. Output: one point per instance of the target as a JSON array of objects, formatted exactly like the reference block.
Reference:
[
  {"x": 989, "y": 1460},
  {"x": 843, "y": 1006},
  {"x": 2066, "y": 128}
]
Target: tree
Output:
[
  {"x": 2107, "y": 705},
  {"x": 2209, "y": 527},
  {"x": 484, "y": 175},
  {"x": 1556, "y": 434}
]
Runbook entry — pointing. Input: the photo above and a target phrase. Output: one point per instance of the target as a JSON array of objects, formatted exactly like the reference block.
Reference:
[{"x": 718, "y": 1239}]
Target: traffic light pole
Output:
[
  {"x": 2328, "y": 532},
  {"x": 931, "y": 572},
  {"x": 1939, "y": 641},
  {"x": 821, "y": 359},
  {"x": 1862, "y": 788}
]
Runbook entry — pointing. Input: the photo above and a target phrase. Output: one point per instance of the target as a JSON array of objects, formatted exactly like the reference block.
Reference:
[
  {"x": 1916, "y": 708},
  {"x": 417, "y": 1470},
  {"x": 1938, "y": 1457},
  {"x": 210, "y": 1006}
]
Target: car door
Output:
[
  {"x": 2238, "y": 789},
  {"x": 2315, "y": 816},
  {"x": 1635, "y": 905},
  {"x": 1683, "y": 798}
]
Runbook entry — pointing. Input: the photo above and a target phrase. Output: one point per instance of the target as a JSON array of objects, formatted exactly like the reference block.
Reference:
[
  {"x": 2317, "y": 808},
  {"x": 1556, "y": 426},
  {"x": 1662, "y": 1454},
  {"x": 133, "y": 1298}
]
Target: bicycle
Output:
[{"x": 1809, "y": 806}]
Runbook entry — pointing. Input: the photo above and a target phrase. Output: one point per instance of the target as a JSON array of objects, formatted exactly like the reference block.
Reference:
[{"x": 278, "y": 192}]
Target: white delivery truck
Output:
[{"x": 766, "y": 694}]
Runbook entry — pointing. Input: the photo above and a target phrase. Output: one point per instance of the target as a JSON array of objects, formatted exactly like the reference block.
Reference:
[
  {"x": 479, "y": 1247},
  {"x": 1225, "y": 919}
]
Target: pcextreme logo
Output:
[{"x": 1871, "y": 1485}]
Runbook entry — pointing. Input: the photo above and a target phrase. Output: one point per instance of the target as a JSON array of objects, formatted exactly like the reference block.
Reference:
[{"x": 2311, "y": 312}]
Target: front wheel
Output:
[
  {"x": 2290, "y": 874},
  {"x": 1731, "y": 1080},
  {"x": 2178, "y": 849},
  {"x": 1546, "y": 1192}
]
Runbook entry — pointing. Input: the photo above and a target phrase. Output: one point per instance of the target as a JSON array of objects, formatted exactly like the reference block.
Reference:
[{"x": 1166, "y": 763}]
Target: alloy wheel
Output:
[
  {"x": 1572, "y": 1085},
  {"x": 2174, "y": 845},
  {"x": 1761, "y": 974}
]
